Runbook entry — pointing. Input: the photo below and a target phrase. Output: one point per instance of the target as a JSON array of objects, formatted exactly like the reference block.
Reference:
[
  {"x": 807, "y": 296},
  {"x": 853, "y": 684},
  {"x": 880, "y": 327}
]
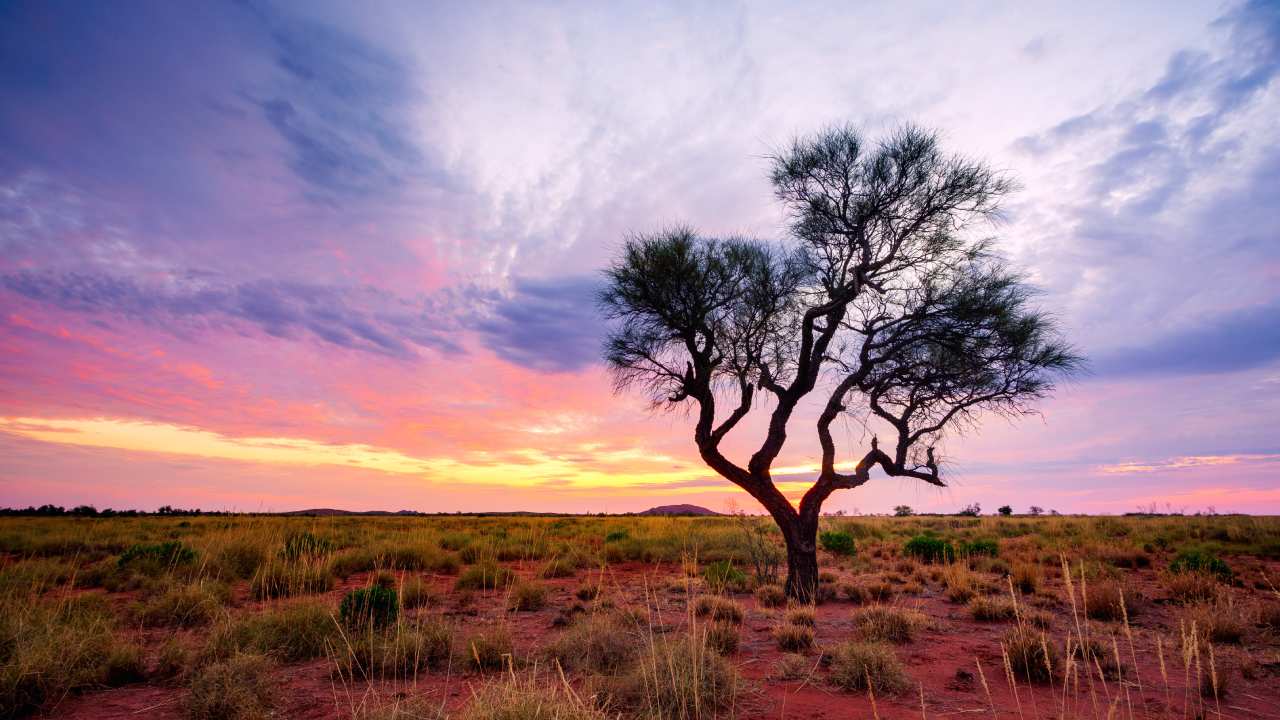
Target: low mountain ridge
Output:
[{"x": 682, "y": 509}]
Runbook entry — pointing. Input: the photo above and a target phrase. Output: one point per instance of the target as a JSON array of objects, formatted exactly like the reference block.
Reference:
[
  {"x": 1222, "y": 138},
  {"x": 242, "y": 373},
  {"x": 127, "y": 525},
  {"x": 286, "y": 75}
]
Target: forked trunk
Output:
[{"x": 802, "y": 561}]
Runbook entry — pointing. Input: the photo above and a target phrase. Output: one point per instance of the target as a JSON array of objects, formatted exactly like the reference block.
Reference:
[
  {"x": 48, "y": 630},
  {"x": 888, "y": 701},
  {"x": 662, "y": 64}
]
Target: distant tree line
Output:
[{"x": 91, "y": 511}]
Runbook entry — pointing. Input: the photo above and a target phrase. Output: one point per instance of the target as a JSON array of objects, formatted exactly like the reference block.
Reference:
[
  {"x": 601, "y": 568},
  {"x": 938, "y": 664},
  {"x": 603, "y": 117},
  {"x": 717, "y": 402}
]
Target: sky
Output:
[{"x": 269, "y": 256}]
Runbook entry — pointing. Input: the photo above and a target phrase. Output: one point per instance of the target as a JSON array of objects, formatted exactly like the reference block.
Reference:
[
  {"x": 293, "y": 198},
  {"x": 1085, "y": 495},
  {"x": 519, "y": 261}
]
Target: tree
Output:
[
  {"x": 971, "y": 510},
  {"x": 880, "y": 294},
  {"x": 1035, "y": 510},
  {"x": 1005, "y": 510},
  {"x": 903, "y": 511}
]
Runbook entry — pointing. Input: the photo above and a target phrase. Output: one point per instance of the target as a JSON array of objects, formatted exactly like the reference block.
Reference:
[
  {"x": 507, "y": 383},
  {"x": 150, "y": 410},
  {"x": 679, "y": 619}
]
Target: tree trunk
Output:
[{"x": 802, "y": 561}]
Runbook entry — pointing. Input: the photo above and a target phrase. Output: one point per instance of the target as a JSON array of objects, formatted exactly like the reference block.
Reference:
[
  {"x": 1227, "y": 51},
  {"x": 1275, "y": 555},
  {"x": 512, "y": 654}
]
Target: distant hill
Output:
[
  {"x": 678, "y": 510},
  {"x": 324, "y": 512}
]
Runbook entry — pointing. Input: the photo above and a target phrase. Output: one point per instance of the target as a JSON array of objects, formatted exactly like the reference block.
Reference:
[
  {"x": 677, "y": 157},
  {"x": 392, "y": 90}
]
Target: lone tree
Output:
[{"x": 881, "y": 296}]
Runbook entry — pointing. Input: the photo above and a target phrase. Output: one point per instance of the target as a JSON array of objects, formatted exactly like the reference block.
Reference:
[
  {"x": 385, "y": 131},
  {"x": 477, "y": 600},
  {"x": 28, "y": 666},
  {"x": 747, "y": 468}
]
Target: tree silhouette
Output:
[{"x": 880, "y": 292}]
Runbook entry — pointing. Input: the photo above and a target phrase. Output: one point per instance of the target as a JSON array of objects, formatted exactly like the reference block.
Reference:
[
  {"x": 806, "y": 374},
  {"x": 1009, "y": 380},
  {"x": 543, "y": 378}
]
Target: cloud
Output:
[
  {"x": 547, "y": 325},
  {"x": 1184, "y": 462},
  {"x": 357, "y": 318},
  {"x": 1238, "y": 340},
  {"x": 342, "y": 107}
]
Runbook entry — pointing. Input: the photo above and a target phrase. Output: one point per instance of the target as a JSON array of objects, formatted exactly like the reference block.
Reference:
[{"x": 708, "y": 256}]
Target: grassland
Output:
[{"x": 603, "y": 617}]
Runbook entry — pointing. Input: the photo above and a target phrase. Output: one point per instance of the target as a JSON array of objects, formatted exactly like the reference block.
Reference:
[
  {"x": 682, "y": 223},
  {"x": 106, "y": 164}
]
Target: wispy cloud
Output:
[{"x": 1184, "y": 462}]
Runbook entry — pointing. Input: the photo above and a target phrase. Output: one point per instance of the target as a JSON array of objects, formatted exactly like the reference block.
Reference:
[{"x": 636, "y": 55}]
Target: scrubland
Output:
[{"x": 574, "y": 618}]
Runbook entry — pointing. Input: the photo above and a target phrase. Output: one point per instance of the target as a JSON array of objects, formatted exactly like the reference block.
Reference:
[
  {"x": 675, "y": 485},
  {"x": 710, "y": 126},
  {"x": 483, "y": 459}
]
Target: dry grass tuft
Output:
[
  {"x": 718, "y": 607},
  {"x": 771, "y": 596},
  {"x": 801, "y": 615},
  {"x": 987, "y": 609},
  {"x": 239, "y": 688},
  {"x": 602, "y": 642},
  {"x": 793, "y": 638},
  {"x": 855, "y": 666},
  {"x": 681, "y": 677},
  {"x": 513, "y": 698},
  {"x": 885, "y": 623},
  {"x": 527, "y": 596},
  {"x": 1032, "y": 655}
]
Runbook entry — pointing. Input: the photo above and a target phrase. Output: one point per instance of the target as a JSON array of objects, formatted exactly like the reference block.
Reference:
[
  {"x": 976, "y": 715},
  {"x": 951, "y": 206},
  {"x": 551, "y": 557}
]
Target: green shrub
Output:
[
  {"x": 722, "y": 576},
  {"x": 838, "y": 542},
  {"x": 929, "y": 549},
  {"x": 1201, "y": 561},
  {"x": 615, "y": 536},
  {"x": 976, "y": 548},
  {"x": 376, "y": 606}
]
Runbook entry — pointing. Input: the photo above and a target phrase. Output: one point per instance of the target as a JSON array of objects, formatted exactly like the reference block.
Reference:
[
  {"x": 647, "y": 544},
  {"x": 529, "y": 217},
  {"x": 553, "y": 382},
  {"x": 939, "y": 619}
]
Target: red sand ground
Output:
[{"x": 943, "y": 660}]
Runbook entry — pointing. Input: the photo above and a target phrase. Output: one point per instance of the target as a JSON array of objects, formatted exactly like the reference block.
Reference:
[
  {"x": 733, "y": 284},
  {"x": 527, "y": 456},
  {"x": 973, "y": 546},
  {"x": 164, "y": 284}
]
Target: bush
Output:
[
  {"x": 884, "y": 623},
  {"x": 838, "y": 542},
  {"x": 1201, "y": 561},
  {"x": 47, "y": 652},
  {"x": 793, "y": 638},
  {"x": 683, "y": 678},
  {"x": 399, "y": 653},
  {"x": 485, "y": 576},
  {"x": 1027, "y": 577},
  {"x": 1032, "y": 656},
  {"x": 1191, "y": 587},
  {"x": 237, "y": 689},
  {"x": 722, "y": 637},
  {"x": 560, "y": 567},
  {"x": 991, "y": 610},
  {"x": 1005, "y": 510},
  {"x": 722, "y": 576},
  {"x": 979, "y": 548},
  {"x": 156, "y": 558},
  {"x": 801, "y": 615},
  {"x": 374, "y": 606},
  {"x": 929, "y": 549},
  {"x": 416, "y": 592},
  {"x": 855, "y": 664},
  {"x": 1103, "y": 601},
  {"x": 187, "y": 606},
  {"x": 528, "y": 596},
  {"x": 771, "y": 596},
  {"x": 718, "y": 608},
  {"x": 281, "y": 580},
  {"x": 294, "y": 632},
  {"x": 602, "y": 643},
  {"x": 124, "y": 665},
  {"x": 299, "y": 545},
  {"x": 239, "y": 559},
  {"x": 516, "y": 699},
  {"x": 488, "y": 649}
]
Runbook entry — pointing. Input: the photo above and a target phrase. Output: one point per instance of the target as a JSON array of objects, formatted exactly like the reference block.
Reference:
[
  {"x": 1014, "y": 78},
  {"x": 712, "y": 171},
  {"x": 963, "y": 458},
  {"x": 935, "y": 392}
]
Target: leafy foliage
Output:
[
  {"x": 375, "y": 605},
  {"x": 929, "y": 549},
  {"x": 838, "y": 542},
  {"x": 1201, "y": 561}
]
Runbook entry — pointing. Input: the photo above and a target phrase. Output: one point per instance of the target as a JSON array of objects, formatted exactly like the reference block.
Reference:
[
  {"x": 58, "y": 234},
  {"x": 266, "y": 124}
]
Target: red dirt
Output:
[{"x": 937, "y": 661}]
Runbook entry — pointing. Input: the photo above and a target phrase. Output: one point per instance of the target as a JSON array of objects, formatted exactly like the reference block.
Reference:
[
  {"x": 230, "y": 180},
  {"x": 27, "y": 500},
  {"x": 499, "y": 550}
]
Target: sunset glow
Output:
[{"x": 279, "y": 256}]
